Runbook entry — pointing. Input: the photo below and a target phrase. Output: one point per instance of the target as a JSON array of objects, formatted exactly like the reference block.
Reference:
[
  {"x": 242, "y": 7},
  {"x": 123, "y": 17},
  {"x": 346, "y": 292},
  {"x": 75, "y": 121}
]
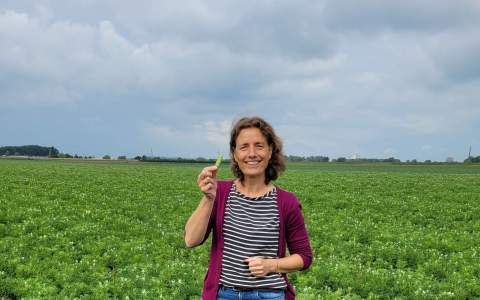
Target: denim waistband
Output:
[{"x": 248, "y": 289}]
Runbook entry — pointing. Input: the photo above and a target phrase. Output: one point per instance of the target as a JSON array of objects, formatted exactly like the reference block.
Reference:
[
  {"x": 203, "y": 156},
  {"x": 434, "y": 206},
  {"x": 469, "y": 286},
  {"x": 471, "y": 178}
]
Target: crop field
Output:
[{"x": 111, "y": 230}]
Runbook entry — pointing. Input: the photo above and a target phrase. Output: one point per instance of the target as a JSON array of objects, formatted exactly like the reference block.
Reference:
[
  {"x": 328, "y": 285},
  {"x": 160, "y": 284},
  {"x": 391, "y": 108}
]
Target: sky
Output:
[{"x": 375, "y": 79}]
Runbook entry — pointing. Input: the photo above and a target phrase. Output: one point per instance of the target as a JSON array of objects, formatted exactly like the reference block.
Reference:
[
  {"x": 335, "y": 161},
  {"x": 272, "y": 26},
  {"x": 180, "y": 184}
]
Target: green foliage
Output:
[
  {"x": 98, "y": 230},
  {"x": 201, "y": 160},
  {"x": 317, "y": 158},
  {"x": 29, "y": 150},
  {"x": 472, "y": 159}
]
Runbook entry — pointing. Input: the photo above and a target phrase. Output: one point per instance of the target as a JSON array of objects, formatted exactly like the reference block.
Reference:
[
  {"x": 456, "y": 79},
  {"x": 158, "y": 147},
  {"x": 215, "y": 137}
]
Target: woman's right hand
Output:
[{"x": 207, "y": 182}]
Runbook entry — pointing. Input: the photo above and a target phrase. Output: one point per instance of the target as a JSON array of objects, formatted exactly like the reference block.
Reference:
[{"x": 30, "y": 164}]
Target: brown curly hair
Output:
[{"x": 276, "y": 165}]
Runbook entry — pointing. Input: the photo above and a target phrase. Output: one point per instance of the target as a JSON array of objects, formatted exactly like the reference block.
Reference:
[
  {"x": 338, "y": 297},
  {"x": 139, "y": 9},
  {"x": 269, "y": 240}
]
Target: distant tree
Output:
[
  {"x": 122, "y": 157},
  {"x": 318, "y": 158},
  {"x": 428, "y": 161},
  {"x": 295, "y": 158},
  {"x": 341, "y": 159},
  {"x": 106, "y": 157},
  {"x": 473, "y": 159},
  {"x": 52, "y": 152},
  {"x": 393, "y": 159}
]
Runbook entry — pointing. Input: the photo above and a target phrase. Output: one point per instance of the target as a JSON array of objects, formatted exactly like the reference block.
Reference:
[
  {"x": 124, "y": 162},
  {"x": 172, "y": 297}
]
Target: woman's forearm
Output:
[
  {"x": 197, "y": 224},
  {"x": 288, "y": 264}
]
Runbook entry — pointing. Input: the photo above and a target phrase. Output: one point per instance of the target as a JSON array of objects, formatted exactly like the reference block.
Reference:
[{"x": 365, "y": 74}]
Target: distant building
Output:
[
  {"x": 450, "y": 159},
  {"x": 355, "y": 156}
]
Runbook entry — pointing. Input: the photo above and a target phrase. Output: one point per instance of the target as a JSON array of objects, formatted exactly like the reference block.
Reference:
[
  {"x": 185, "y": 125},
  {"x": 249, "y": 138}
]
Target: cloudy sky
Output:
[{"x": 337, "y": 78}]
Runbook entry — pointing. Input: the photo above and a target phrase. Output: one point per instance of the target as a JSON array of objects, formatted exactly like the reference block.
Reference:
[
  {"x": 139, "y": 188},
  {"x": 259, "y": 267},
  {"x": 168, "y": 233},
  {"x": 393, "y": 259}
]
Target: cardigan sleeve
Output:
[{"x": 296, "y": 234}]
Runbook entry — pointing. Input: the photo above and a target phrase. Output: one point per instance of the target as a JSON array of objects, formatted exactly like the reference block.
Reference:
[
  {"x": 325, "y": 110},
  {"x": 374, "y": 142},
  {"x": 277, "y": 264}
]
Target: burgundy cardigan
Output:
[{"x": 292, "y": 234}]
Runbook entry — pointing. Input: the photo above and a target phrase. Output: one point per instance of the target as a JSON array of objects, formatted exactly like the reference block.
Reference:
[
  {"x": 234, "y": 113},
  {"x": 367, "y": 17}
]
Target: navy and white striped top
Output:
[{"x": 251, "y": 228}]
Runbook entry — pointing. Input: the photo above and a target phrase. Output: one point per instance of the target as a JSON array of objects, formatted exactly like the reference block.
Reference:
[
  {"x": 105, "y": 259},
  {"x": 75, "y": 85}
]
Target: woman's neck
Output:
[{"x": 253, "y": 187}]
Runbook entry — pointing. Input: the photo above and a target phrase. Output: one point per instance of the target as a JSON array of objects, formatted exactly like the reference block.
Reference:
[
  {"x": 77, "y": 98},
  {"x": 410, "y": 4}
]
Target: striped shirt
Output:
[{"x": 251, "y": 228}]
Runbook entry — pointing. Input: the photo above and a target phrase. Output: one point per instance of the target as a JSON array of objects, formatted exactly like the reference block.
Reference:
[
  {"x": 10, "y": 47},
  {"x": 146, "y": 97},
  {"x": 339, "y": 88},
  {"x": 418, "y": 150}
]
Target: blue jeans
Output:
[{"x": 226, "y": 293}]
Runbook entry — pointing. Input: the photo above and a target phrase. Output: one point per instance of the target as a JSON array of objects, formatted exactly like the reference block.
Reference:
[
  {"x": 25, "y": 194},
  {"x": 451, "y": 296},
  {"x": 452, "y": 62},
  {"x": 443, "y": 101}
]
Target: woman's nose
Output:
[{"x": 251, "y": 151}]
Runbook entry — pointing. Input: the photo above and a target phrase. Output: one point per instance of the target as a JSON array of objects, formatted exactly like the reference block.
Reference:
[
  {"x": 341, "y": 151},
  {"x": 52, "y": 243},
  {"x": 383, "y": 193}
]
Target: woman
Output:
[{"x": 252, "y": 221}]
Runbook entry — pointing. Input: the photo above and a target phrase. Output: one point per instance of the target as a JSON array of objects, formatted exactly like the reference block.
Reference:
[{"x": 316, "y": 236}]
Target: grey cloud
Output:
[
  {"x": 265, "y": 28},
  {"x": 83, "y": 59},
  {"x": 377, "y": 16},
  {"x": 98, "y": 59},
  {"x": 291, "y": 29},
  {"x": 456, "y": 54}
]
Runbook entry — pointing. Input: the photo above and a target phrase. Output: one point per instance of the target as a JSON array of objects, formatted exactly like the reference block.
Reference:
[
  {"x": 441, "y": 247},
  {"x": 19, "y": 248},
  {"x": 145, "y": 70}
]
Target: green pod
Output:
[{"x": 219, "y": 161}]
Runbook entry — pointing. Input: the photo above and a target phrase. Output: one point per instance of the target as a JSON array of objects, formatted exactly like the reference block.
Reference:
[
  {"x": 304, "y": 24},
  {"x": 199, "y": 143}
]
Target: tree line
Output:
[
  {"x": 41, "y": 151},
  {"x": 29, "y": 150},
  {"x": 36, "y": 151},
  {"x": 472, "y": 159}
]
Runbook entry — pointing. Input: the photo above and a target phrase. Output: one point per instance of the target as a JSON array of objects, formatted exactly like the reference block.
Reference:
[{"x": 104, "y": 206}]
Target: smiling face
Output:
[{"x": 252, "y": 153}]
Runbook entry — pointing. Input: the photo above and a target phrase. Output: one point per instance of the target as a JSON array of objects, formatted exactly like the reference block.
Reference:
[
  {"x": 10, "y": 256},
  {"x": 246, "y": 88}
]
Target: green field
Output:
[{"x": 97, "y": 230}]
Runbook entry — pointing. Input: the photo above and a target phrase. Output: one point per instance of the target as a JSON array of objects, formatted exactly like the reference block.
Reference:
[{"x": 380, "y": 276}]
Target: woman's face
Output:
[{"x": 252, "y": 152}]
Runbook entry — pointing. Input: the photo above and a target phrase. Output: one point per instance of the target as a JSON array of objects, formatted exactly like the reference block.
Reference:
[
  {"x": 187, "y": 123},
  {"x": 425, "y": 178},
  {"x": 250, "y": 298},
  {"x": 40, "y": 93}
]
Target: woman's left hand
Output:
[{"x": 259, "y": 266}]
